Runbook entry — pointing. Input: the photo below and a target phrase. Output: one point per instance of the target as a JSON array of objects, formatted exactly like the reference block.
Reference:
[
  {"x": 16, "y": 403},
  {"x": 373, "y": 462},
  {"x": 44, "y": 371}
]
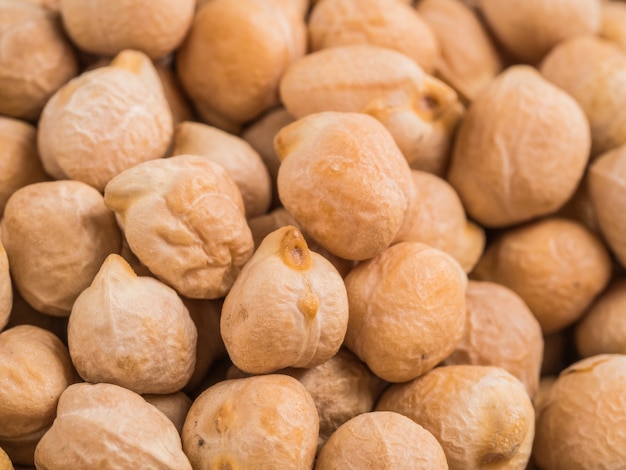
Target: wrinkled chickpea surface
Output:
[{"x": 313, "y": 234}]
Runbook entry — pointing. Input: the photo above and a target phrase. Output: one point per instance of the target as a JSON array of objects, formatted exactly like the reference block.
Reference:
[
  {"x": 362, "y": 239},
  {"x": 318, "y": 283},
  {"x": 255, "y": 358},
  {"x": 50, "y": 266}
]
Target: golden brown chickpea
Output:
[
  {"x": 297, "y": 317},
  {"x": 583, "y": 420},
  {"x": 407, "y": 310},
  {"x": 36, "y": 59},
  {"x": 267, "y": 421},
  {"x": 481, "y": 415},
  {"x": 56, "y": 235},
  {"x": 555, "y": 265},
  {"x": 381, "y": 439},
  {"x": 107, "y": 426}
]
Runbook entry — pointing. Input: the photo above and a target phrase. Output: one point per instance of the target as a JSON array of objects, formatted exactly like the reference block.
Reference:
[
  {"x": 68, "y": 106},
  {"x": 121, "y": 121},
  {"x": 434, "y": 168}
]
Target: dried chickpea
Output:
[
  {"x": 419, "y": 111},
  {"x": 297, "y": 317},
  {"x": 407, "y": 310},
  {"x": 131, "y": 331},
  {"x": 226, "y": 41},
  {"x": 19, "y": 158},
  {"x": 531, "y": 28},
  {"x": 384, "y": 23},
  {"x": 437, "y": 218},
  {"x": 107, "y": 28},
  {"x": 614, "y": 23},
  {"x": 555, "y": 265},
  {"x": 174, "y": 405},
  {"x": 6, "y": 288},
  {"x": 468, "y": 61},
  {"x": 592, "y": 71},
  {"x": 242, "y": 162},
  {"x": 344, "y": 181},
  {"x": 180, "y": 106},
  {"x": 501, "y": 331},
  {"x": 582, "y": 423},
  {"x": 267, "y": 421},
  {"x": 381, "y": 439},
  {"x": 105, "y": 121},
  {"x": 197, "y": 238},
  {"x": 481, "y": 415},
  {"x": 36, "y": 59},
  {"x": 107, "y": 426},
  {"x": 56, "y": 235},
  {"x": 36, "y": 368},
  {"x": 603, "y": 328},
  {"x": 521, "y": 150},
  {"x": 607, "y": 190}
]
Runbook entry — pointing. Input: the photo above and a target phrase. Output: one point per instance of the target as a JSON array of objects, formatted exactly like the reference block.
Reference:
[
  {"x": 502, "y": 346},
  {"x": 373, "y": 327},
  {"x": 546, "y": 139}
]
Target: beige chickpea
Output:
[
  {"x": 227, "y": 40},
  {"x": 378, "y": 22},
  {"x": 521, "y": 150},
  {"x": 344, "y": 181},
  {"x": 481, "y": 415},
  {"x": 437, "y": 218},
  {"x": 19, "y": 158},
  {"x": 6, "y": 288},
  {"x": 36, "y": 59},
  {"x": 582, "y": 421},
  {"x": 105, "y": 423},
  {"x": 381, "y": 439},
  {"x": 179, "y": 104},
  {"x": 607, "y": 177},
  {"x": 501, "y": 331},
  {"x": 531, "y": 28},
  {"x": 56, "y": 235},
  {"x": 131, "y": 331},
  {"x": 267, "y": 421},
  {"x": 603, "y": 330},
  {"x": 105, "y": 121},
  {"x": 468, "y": 61},
  {"x": 173, "y": 405},
  {"x": 297, "y": 317},
  {"x": 420, "y": 111},
  {"x": 614, "y": 23},
  {"x": 592, "y": 70},
  {"x": 196, "y": 239},
  {"x": 407, "y": 310},
  {"x": 36, "y": 368},
  {"x": 555, "y": 265},
  {"x": 153, "y": 27},
  {"x": 242, "y": 162}
]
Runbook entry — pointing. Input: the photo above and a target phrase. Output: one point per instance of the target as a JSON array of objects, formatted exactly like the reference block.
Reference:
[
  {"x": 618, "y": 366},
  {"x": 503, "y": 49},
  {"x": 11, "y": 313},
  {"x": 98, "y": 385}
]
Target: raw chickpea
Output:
[
  {"x": 131, "y": 331},
  {"x": 603, "y": 328},
  {"x": 18, "y": 157},
  {"x": 35, "y": 368},
  {"x": 520, "y": 151},
  {"x": 344, "y": 181},
  {"x": 607, "y": 180},
  {"x": 241, "y": 161},
  {"x": 481, "y": 415},
  {"x": 501, "y": 331},
  {"x": 407, "y": 310},
  {"x": 381, "y": 439},
  {"x": 197, "y": 238},
  {"x": 437, "y": 218},
  {"x": 36, "y": 59},
  {"x": 592, "y": 71},
  {"x": 267, "y": 421},
  {"x": 531, "y": 28},
  {"x": 106, "y": 425},
  {"x": 582, "y": 421},
  {"x": 105, "y": 121},
  {"x": 6, "y": 288},
  {"x": 180, "y": 106},
  {"x": 56, "y": 235},
  {"x": 555, "y": 265},
  {"x": 226, "y": 41},
  {"x": 420, "y": 111},
  {"x": 297, "y": 317},
  {"x": 155, "y": 27},
  {"x": 468, "y": 61},
  {"x": 378, "y": 22},
  {"x": 614, "y": 23},
  {"x": 174, "y": 405}
]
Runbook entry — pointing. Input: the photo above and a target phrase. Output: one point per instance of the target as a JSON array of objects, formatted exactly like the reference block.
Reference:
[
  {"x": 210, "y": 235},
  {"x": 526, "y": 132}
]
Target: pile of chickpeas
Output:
[{"x": 293, "y": 234}]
